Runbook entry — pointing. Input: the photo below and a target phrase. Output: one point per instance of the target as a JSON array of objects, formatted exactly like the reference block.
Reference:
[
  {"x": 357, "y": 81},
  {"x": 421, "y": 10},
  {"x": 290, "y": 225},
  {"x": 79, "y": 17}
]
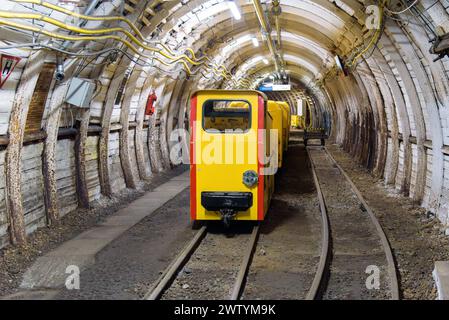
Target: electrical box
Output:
[{"x": 80, "y": 92}]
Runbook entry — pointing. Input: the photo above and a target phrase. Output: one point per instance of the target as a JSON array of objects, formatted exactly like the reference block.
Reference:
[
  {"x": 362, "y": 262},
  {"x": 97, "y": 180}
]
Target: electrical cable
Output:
[
  {"x": 122, "y": 19},
  {"x": 84, "y": 38},
  {"x": 96, "y": 54},
  {"x": 92, "y": 38},
  {"x": 224, "y": 73},
  {"x": 92, "y": 32},
  {"x": 34, "y": 45},
  {"x": 374, "y": 39},
  {"x": 402, "y": 11},
  {"x": 426, "y": 22},
  {"x": 432, "y": 82}
]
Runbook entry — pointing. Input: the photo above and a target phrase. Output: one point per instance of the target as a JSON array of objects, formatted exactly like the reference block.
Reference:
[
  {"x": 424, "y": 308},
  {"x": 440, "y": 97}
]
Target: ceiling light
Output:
[
  {"x": 234, "y": 10},
  {"x": 255, "y": 41},
  {"x": 265, "y": 60}
]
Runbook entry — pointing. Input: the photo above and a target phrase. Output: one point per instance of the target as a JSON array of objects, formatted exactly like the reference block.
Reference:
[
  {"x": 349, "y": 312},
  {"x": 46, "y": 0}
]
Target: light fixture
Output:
[
  {"x": 59, "y": 74},
  {"x": 255, "y": 41},
  {"x": 265, "y": 60},
  {"x": 234, "y": 10}
]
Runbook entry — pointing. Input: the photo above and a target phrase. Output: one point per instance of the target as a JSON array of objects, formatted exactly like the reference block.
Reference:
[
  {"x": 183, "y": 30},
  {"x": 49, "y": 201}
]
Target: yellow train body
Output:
[
  {"x": 295, "y": 121},
  {"x": 286, "y": 120},
  {"x": 231, "y": 176},
  {"x": 275, "y": 111}
]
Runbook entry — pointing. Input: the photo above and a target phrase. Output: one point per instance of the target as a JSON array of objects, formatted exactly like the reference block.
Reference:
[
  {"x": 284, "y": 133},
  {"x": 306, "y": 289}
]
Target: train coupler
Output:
[{"x": 227, "y": 215}]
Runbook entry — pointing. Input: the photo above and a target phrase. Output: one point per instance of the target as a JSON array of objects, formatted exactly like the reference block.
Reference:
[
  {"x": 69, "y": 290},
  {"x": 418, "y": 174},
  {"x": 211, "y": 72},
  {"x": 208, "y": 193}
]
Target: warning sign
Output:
[{"x": 7, "y": 63}]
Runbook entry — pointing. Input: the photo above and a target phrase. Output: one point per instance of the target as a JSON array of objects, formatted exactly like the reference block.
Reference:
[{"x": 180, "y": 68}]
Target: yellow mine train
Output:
[{"x": 237, "y": 142}]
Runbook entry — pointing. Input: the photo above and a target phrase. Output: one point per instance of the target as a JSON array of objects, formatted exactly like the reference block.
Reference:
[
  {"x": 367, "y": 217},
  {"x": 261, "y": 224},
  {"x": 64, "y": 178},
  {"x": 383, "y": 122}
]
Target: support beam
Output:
[
  {"x": 139, "y": 141},
  {"x": 13, "y": 159},
  {"x": 80, "y": 160},
  {"x": 49, "y": 163},
  {"x": 124, "y": 133},
  {"x": 105, "y": 182}
]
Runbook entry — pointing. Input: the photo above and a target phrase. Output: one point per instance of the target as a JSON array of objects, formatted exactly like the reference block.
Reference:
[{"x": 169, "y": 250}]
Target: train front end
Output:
[{"x": 225, "y": 145}]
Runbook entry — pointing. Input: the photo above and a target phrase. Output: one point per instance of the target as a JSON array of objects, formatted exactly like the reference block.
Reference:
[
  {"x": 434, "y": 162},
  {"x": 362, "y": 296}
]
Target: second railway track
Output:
[{"x": 355, "y": 243}]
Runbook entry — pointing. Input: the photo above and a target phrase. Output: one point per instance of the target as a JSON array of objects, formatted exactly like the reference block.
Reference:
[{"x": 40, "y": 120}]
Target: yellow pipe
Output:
[
  {"x": 261, "y": 17},
  {"x": 60, "y": 24},
  {"x": 93, "y": 18},
  {"x": 111, "y": 18},
  {"x": 96, "y": 38},
  {"x": 4, "y": 14},
  {"x": 278, "y": 32},
  {"x": 374, "y": 38},
  {"x": 82, "y": 16},
  {"x": 370, "y": 44},
  {"x": 276, "y": 5}
]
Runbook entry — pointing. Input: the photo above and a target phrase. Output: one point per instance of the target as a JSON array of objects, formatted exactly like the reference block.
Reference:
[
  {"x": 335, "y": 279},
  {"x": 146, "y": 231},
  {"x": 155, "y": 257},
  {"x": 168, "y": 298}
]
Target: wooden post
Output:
[
  {"x": 13, "y": 159},
  {"x": 80, "y": 160},
  {"x": 140, "y": 116},
  {"x": 124, "y": 133},
  {"x": 103, "y": 154},
  {"x": 49, "y": 163}
]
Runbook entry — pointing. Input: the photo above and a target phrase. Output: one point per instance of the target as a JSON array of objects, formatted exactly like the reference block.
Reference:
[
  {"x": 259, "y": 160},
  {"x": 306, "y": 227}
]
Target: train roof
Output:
[{"x": 260, "y": 93}]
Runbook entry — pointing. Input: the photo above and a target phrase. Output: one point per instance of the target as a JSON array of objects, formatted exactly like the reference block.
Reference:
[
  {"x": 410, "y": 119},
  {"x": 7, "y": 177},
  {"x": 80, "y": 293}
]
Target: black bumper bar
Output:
[{"x": 215, "y": 201}]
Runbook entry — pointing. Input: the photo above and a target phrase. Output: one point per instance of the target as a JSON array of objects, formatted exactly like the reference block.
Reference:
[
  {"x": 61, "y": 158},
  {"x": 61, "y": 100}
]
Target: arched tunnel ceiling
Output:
[
  {"x": 210, "y": 27},
  {"x": 313, "y": 31},
  {"x": 320, "y": 23}
]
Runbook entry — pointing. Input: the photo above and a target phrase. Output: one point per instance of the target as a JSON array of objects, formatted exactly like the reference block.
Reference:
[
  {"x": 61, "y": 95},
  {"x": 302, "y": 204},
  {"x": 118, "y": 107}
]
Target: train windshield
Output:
[{"x": 226, "y": 116}]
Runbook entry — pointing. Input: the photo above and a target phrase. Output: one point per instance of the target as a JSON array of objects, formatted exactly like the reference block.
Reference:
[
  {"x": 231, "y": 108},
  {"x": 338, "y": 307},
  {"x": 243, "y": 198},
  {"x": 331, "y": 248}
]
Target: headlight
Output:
[{"x": 250, "y": 178}]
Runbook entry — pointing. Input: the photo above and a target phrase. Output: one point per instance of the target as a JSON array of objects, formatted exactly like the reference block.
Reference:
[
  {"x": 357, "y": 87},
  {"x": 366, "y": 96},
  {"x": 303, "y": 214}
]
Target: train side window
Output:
[{"x": 226, "y": 116}]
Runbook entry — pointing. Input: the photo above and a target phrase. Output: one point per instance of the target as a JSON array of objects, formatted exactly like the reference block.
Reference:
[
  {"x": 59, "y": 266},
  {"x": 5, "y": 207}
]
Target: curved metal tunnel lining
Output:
[{"x": 390, "y": 114}]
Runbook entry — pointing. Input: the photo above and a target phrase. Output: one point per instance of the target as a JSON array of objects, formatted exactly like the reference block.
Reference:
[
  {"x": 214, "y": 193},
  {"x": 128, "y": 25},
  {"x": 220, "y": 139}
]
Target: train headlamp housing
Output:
[{"x": 250, "y": 178}]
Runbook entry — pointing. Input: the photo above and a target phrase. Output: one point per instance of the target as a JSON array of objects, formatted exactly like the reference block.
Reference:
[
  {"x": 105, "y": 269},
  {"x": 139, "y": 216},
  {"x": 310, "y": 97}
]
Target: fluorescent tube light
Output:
[
  {"x": 234, "y": 10},
  {"x": 255, "y": 41}
]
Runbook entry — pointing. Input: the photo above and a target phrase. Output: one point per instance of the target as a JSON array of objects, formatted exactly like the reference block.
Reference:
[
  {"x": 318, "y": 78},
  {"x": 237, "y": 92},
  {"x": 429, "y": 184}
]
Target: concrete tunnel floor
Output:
[{"x": 128, "y": 265}]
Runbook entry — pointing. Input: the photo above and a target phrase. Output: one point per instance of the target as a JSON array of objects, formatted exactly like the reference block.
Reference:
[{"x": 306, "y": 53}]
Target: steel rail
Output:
[
  {"x": 325, "y": 236},
  {"x": 241, "y": 276},
  {"x": 170, "y": 273},
  {"x": 394, "y": 287}
]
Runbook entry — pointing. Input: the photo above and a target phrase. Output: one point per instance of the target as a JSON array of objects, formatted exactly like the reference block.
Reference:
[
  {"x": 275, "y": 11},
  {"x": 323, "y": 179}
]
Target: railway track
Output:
[
  {"x": 171, "y": 272},
  {"x": 324, "y": 268},
  {"x": 318, "y": 280}
]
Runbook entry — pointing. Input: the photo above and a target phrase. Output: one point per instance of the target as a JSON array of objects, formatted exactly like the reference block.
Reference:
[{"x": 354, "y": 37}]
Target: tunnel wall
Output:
[
  {"x": 80, "y": 150},
  {"x": 391, "y": 114}
]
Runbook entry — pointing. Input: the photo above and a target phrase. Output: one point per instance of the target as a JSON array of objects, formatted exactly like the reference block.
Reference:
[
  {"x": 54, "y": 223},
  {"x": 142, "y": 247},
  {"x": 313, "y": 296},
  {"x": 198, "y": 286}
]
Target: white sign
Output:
[
  {"x": 7, "y": 64},
  {"x": 282, "y": 87}
]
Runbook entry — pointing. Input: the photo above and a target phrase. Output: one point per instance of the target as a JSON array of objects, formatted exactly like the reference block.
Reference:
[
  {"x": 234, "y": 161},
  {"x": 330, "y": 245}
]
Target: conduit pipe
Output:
[
  {"x": 121, "y": 19},
  {"x": 179, "y": 59},
  {"x": 267, "y": 31},
  {"x": 90, "y": 8}
]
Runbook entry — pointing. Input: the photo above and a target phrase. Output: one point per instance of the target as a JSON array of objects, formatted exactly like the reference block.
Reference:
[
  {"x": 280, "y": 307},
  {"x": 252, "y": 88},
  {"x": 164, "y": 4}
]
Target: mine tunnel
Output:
[{"x": 105, "y": 107}]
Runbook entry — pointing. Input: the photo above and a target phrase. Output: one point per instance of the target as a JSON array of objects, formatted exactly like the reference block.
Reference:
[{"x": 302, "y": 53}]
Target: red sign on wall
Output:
[{"x": 7, "y": 64}]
